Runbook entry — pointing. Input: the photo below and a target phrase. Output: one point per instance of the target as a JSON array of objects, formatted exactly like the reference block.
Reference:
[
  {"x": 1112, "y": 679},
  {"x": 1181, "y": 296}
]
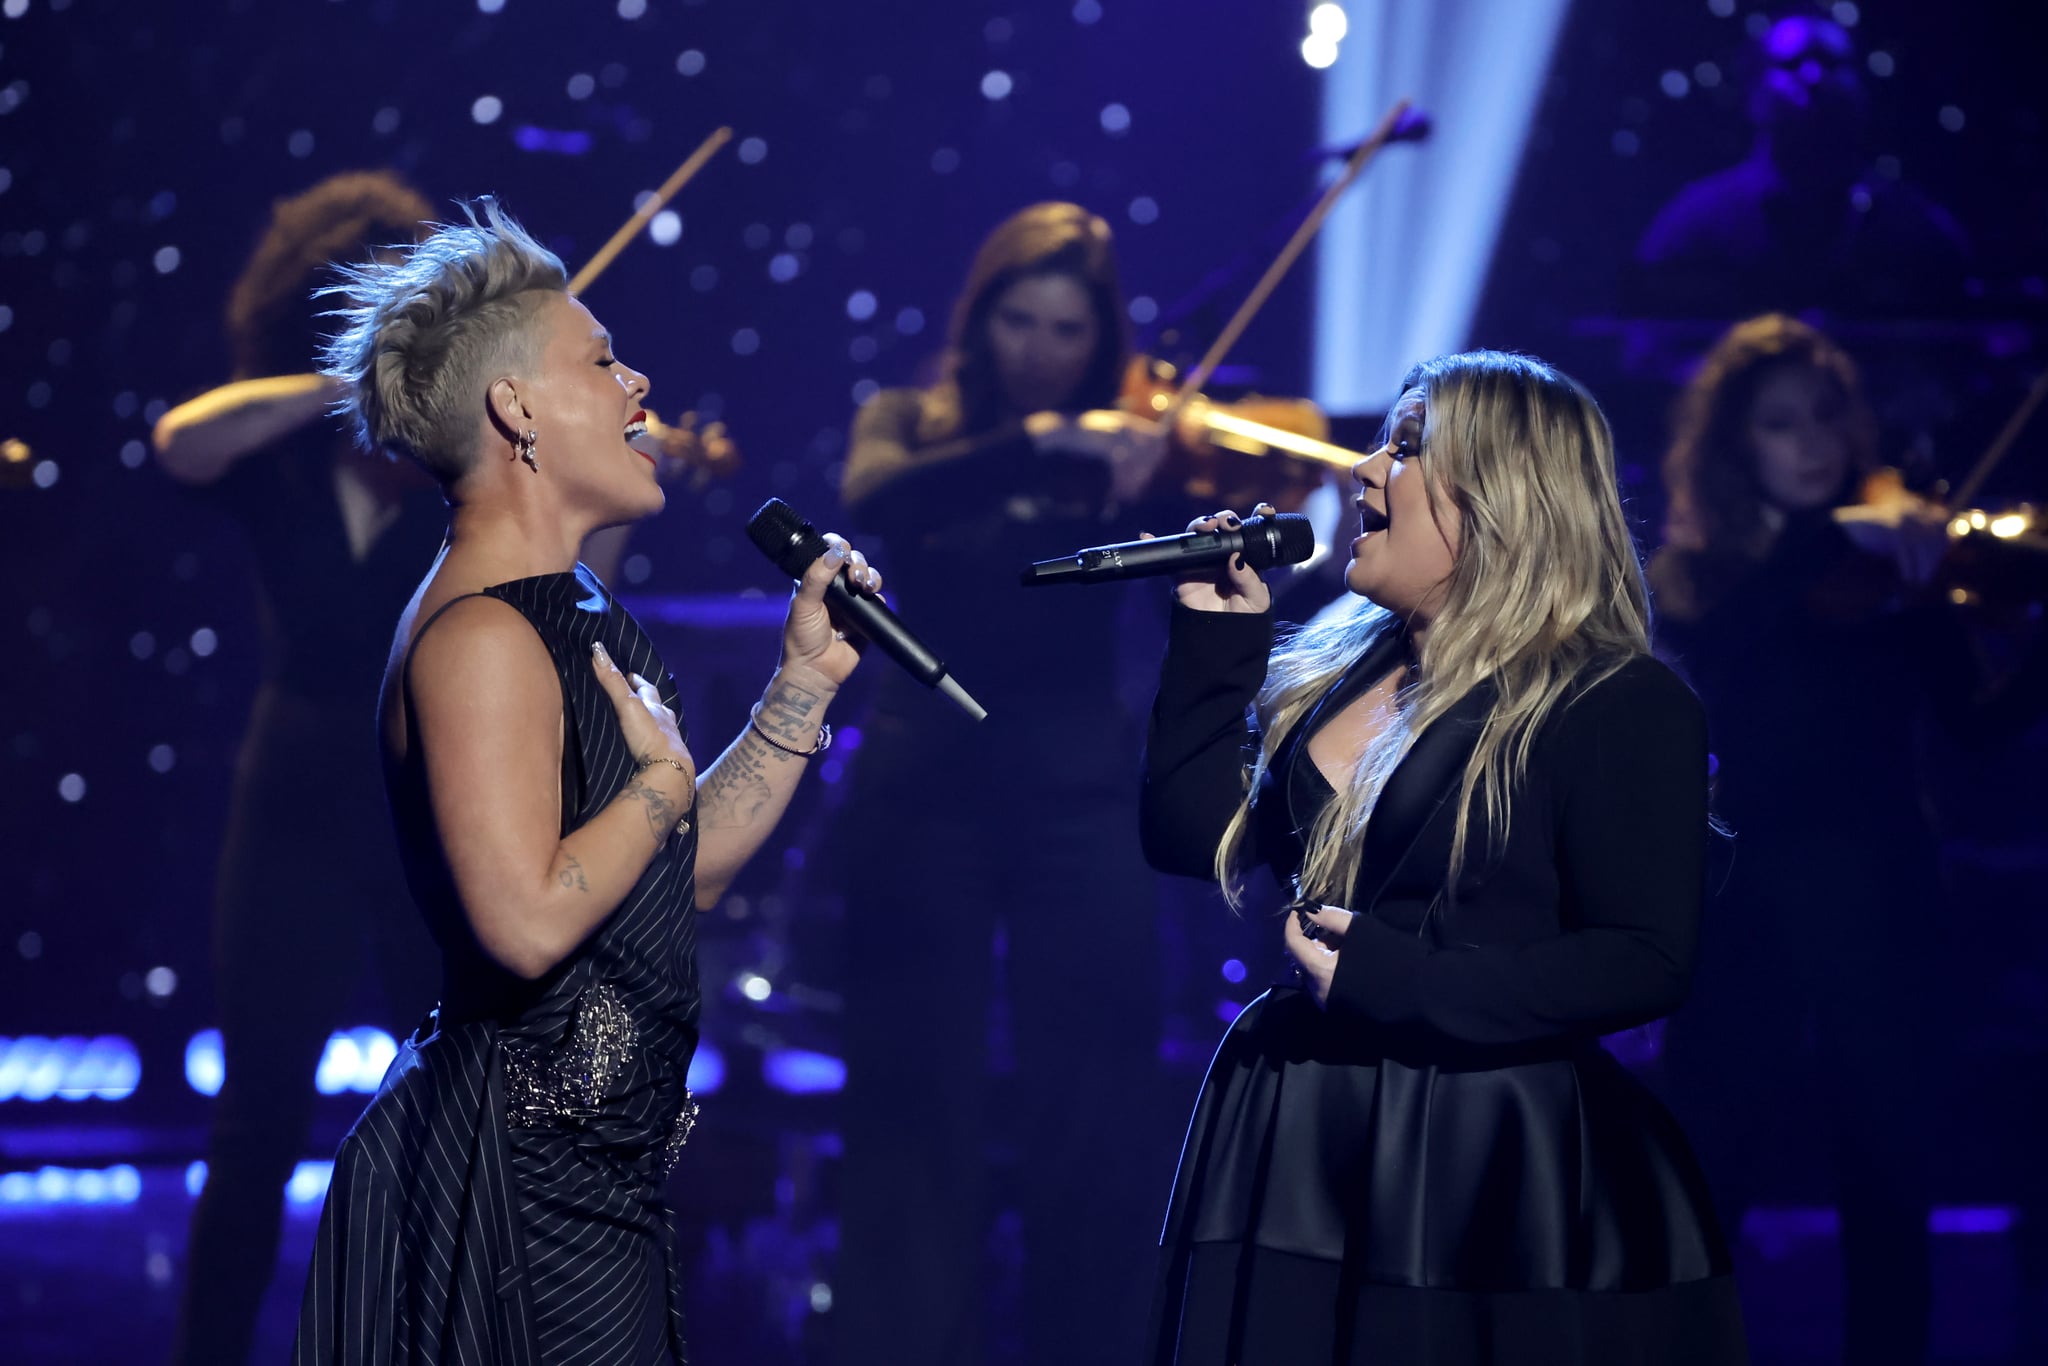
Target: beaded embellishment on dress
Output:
[{"x": 566, "y": 1086}]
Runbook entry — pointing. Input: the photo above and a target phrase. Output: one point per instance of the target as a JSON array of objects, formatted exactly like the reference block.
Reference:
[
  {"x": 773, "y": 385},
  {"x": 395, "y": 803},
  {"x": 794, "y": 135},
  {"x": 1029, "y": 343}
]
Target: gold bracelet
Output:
[{"x": 683, "y": 825}]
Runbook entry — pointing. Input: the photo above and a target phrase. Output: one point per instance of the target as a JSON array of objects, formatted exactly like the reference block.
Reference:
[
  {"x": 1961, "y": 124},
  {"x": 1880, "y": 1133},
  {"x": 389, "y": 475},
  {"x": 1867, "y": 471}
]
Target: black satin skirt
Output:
[{"x": 1336, "y": 1205}]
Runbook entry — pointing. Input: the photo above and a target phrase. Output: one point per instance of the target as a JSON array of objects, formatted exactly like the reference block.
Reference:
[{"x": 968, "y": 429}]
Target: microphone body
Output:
[
  {"x": 1284, "y": 538},
  {"x": 794, "y": 544}
]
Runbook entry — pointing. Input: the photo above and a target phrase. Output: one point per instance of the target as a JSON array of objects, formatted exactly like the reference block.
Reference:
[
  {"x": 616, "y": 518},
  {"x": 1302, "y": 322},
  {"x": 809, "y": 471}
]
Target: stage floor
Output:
[{"x": 91, "y": 1274}]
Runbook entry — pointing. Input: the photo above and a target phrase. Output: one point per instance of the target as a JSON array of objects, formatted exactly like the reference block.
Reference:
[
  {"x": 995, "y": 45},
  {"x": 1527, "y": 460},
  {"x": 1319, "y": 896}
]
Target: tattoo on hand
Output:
[
  {"x": 662, "y": 813},
  {"x": 571, "y": 875}
]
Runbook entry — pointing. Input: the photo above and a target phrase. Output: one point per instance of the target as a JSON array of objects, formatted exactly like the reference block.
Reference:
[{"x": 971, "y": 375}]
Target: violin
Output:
[
  {"x": 1977, "y": 557},
  {"x": 705, "y": 452},
  {"x": 1992, "y": 557},
  {"x": 1224, "y": 452},
  {"x": 1250, "y": 450}
]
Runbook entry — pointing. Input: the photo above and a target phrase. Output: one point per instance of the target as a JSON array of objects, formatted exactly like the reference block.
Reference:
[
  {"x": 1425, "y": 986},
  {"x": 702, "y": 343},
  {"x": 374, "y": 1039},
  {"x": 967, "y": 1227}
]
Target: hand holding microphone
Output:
[
  {"x": 824, "y": 597},
  {"x": 1231, "y": 585},
  {"x": 1225, "y": 553},
  {"x": 810, "y": 639}
]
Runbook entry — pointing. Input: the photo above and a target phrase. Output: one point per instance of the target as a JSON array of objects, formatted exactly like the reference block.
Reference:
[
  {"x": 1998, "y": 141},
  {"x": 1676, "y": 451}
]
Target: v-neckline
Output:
[
  {"x": 1326, "y": 718},
  {"x": 1372, "y": 664}
]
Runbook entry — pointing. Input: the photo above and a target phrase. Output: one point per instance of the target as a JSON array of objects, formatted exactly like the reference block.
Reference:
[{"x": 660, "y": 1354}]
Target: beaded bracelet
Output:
[{"x": 824, "y": 737}]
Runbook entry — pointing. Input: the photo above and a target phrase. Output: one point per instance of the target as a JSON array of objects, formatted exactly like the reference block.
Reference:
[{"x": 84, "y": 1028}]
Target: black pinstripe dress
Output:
[{"x": 500, "y": 1200}]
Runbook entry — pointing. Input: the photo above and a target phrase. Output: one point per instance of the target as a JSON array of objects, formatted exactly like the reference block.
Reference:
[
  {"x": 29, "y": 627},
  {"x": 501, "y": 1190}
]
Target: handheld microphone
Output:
[
  {"x": 794, "y": 544},
  {"x": 1283, "y": 538}
]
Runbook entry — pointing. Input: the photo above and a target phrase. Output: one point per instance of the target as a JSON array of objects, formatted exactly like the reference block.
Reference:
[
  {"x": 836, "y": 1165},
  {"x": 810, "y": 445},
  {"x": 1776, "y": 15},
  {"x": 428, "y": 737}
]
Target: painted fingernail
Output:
[{"x": 597, "y": 648}]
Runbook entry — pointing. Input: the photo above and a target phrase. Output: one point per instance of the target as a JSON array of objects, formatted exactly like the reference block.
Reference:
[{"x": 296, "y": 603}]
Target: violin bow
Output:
[
  {"x": 1389, "y": 129},
  {"x": 1999, "y": 447},
  {"x": 644, "y": 215}
]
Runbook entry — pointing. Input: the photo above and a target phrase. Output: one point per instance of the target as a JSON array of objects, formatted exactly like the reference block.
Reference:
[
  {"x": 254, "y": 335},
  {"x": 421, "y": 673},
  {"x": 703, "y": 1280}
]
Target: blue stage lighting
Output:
[
  {"x": 48, "y": 1186},
  {"x": 204, "y": 1068},
  {"x": 354, "y": 1060},
  {"x": 34, "y": 1068},
  {"x": 1401, "y": 259},
  {"x": 707, "y": 1070},
  {"x": 802, "y": 1073}
]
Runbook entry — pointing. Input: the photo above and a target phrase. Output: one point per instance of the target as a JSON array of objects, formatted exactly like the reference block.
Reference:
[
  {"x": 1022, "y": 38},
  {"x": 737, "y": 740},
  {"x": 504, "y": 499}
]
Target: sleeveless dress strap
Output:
[
  {"x": 405, "y": 669},
  {"x": 572, "y": 779}
]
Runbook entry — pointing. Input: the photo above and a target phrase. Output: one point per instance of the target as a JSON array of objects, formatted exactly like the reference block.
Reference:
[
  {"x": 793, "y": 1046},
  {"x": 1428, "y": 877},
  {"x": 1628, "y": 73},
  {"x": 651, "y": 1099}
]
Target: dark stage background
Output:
[{"x": 141, "y": 146}]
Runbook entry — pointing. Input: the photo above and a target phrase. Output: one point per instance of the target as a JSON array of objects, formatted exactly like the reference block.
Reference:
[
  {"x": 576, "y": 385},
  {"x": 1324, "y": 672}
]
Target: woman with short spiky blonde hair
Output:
[
  {"x": 501, "y": 1198},
  {"x": 1489, "y": 803}
]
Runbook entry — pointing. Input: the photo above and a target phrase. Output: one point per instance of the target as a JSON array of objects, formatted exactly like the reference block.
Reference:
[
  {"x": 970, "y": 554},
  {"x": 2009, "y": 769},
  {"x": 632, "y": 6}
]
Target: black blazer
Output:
[{"x": 1583, "y": 922}]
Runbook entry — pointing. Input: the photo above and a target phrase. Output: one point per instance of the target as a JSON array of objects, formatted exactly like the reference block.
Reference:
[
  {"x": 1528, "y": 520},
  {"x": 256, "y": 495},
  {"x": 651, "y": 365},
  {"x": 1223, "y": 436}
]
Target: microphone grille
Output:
[
  {"x": 1297, "y": 538},
  {"x": 780, "y": 532},
  {"x": 1283, "y": 538}
]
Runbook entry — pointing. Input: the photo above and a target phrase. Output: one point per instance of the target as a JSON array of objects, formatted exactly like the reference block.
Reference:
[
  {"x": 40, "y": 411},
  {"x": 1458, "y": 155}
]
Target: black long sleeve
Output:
[
  {"x": 1630, "y": 781},
  {"x": 1199, "y": 737}
]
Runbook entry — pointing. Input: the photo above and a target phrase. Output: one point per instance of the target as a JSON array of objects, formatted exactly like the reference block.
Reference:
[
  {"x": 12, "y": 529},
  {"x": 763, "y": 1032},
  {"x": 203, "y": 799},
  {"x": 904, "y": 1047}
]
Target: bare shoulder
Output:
[
  {"x": 450, "y": 647},
  {"x": 477, "y": 640}
]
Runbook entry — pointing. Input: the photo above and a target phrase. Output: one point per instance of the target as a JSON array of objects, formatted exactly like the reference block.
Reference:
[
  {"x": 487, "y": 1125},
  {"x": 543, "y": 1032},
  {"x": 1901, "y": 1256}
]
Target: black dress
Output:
[
  {"x": 500, "y": 1200},
  {"x": 1444, "y": 1166}
]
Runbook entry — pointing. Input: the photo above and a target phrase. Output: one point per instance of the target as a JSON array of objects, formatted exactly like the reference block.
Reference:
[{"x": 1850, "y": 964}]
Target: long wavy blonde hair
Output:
[{"x": 1545, "y": 598}]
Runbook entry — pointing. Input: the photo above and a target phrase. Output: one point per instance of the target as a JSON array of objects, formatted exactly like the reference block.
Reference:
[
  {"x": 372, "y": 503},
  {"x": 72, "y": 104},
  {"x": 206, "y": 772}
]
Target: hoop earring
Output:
[{"x": 523, "y": 449}]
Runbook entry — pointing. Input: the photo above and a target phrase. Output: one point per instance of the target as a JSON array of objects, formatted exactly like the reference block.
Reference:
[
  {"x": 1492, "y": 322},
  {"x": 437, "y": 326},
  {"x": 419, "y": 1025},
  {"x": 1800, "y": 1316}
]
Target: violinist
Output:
[
  {"x": 1817, "y": 639},
  {"x": 1017, "y": 831},
  {"x": 301, "y": 903}
]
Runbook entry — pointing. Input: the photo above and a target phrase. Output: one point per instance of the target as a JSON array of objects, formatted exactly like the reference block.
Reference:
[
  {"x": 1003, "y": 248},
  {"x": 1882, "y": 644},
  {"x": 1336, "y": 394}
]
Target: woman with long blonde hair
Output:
[{"x": 1490, "y": 803}]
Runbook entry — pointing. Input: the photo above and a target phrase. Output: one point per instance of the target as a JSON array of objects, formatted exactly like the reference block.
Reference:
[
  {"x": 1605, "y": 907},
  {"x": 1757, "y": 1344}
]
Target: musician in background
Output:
[
  {"x": 1019, "y": 832},
  {"x": 1822, "y": 651},
  {"x": 305, "y": 896},
  {"x": 1805, "y": 220}
]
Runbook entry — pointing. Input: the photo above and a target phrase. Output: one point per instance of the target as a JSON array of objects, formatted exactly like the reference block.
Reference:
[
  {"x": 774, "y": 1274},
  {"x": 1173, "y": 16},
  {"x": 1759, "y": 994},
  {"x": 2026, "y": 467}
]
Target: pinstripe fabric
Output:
[{"x": 451, "y": 1236}]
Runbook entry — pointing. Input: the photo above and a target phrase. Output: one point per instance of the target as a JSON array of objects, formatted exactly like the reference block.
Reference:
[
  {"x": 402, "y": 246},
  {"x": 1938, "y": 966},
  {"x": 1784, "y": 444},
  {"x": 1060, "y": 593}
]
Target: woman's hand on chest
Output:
[{"x": 1314, "y": 935}]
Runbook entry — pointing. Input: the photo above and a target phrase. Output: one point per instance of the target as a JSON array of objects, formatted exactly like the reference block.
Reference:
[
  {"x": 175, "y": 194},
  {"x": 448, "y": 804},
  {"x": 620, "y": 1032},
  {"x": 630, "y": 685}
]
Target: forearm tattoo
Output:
[
  {"x": 739, "y": 787},
  {"x": 570, "y": 874},
  {"x": 789, "y": 715},
  {"x": 662, "y": 814}
]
